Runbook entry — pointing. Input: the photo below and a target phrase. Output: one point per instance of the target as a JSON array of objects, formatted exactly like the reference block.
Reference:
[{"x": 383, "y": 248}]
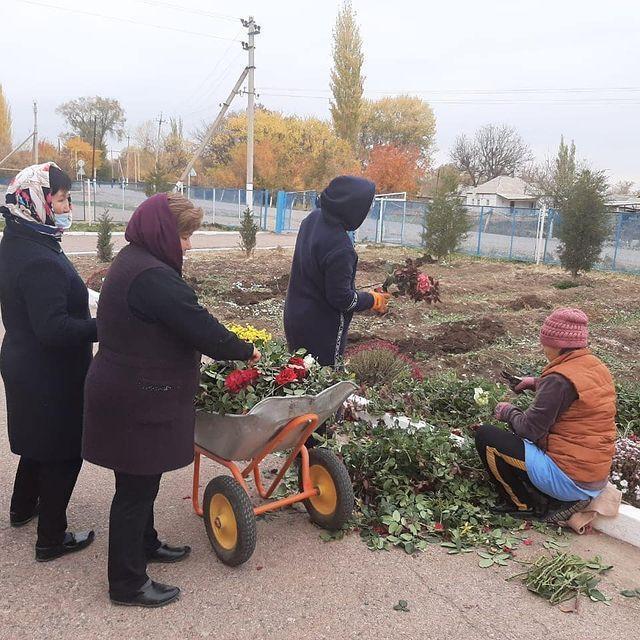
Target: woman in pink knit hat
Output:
[{"x": 557, "y": 455}]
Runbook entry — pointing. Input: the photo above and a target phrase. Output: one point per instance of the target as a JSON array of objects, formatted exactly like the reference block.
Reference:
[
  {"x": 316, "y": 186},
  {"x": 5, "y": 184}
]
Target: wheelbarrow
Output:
[{"x": 274, "y": 424}]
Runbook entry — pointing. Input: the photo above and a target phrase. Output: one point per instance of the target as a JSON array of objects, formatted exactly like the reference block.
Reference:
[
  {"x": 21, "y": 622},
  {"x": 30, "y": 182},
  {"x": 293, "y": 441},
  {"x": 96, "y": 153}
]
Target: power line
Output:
[
  {"x": 473, "y": 91},
  {"x": 472, "y": 101},
  {"x": 181, "y": 9},
  {"x": 125, "y": 20},
  {"x": 200, "y": 96},
  {"x": 221, "y": 78}
]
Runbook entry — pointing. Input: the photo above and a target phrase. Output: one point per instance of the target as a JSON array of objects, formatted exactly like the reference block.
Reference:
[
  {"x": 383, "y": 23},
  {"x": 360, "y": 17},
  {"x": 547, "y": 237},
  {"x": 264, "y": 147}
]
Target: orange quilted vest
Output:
[{"x": 582, "y": 441}]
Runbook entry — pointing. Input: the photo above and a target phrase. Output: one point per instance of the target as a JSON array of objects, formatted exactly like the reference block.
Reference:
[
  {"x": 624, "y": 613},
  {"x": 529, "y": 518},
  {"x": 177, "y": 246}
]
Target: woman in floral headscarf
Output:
[{"x": 45, "y": 355}]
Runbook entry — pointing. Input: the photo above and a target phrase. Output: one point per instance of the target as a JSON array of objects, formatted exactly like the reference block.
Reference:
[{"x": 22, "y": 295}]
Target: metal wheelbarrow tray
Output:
[{"x": 274, "y": 424}]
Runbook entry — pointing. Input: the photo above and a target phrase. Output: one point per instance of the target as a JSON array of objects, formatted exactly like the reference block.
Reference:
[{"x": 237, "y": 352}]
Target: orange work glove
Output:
[{"x": 380, "y": 301}]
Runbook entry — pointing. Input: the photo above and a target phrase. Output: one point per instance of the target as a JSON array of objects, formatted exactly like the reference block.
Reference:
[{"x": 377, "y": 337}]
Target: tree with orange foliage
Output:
[
  {"x": 393, "y": 169},
  {"x": 79, "y": 149}
]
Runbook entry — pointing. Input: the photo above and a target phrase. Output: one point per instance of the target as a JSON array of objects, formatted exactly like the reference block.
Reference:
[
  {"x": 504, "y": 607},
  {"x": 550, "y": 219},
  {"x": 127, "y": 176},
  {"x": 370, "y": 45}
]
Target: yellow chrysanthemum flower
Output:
[{"x": 250, "y": 333}]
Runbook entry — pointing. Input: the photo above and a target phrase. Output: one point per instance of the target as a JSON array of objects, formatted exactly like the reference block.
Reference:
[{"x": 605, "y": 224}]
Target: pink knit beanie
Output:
[{"x": 565, "y": 329}]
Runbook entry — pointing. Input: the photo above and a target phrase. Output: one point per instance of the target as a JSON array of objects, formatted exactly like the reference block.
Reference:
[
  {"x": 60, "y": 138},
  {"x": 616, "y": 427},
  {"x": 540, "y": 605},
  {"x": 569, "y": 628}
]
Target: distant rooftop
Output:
[{"x": 506, "y": 187}]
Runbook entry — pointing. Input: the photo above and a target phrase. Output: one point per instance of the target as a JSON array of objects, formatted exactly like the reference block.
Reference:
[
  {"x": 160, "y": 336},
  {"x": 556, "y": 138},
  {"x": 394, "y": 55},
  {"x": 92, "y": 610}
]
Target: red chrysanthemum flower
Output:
[
  {"x": 286, "y": 376},
  {"x": 297, "y": 364},
  {"x": 240, "y": 379}
]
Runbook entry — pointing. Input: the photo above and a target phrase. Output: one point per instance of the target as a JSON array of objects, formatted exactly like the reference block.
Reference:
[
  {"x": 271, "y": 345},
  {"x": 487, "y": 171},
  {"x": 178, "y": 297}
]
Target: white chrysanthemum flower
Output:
[
  {"x": 481, "y": 397},
  {"x": 309, "y": 362}
]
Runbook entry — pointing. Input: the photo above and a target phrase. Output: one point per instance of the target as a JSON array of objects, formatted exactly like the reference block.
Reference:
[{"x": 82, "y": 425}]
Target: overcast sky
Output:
[{"x": 547, "y": 67}]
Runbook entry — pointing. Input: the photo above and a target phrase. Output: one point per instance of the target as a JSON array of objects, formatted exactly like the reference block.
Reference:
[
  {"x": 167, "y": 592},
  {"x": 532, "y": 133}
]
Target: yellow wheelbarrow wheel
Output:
[
  {"x": 229, "y": 520},
  {"x": 333, "y": 505}
]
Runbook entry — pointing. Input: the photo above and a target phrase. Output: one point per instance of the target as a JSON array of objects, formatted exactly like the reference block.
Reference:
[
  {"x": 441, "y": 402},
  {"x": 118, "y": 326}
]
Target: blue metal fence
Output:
[{"x": 497, "y": 232}]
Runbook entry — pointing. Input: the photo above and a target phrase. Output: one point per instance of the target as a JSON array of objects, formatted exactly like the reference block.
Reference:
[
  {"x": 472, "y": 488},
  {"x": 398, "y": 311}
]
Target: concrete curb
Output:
[
  {"x": 624, "y": 526},
  {"x": 94, "y": 234},
  {"x": 197, "y": 250}
]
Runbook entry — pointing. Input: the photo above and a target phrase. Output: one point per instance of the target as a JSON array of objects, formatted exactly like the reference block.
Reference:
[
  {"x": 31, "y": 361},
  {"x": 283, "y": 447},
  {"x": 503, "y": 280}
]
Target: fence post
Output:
[
  {"x": 379, "y": 229},
  {"x": 239, "y": 205},
  {"x": 404, "y": 215},
  {"x": 552, "y": 215},
  {"x": 513, "y": 231},
  {"x": 213, "y": 207},
  {"x": 618, "y": 235},
  {"x": 265, "y": 209},
  {"x": 480, "y": 229},
  {"x": 280, "y": 207}
]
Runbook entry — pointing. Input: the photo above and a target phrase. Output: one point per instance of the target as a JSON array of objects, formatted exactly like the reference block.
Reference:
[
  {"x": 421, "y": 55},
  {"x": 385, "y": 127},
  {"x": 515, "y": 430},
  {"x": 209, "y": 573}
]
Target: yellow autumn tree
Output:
[
  {"x": 78, "y": 149},
  {"x": 289, "y": 152},
  {"x": 5, "y": 126}
]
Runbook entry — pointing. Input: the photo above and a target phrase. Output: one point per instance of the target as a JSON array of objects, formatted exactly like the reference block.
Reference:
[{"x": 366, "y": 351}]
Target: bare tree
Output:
[
  {"x": 464, "y": 157},
  {"x": 622, "y": 188},
  {"x": 496, "y": 150},
  {"x": 146, "y": 136}
]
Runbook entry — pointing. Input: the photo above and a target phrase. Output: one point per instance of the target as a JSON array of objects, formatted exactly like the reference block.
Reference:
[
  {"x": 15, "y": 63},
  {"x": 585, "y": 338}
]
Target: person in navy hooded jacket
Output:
[{"x": 322, "y": 298}]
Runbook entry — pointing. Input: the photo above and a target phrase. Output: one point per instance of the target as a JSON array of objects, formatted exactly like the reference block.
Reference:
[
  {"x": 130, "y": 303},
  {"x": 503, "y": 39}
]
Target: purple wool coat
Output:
[{"x": 139, "y": 415}]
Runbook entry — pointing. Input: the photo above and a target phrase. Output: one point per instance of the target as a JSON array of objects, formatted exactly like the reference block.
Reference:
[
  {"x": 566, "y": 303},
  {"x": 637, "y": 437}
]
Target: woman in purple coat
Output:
[{"x": 139, "y": 412}]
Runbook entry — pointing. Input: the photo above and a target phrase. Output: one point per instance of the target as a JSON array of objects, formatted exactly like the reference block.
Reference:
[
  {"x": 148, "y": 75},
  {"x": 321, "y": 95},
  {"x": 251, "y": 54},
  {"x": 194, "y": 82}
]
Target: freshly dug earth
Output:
[
  {"x": 528, "y": 302},
  {"x": 457, "y": 337},
  {"x": 489, "y": 318}
]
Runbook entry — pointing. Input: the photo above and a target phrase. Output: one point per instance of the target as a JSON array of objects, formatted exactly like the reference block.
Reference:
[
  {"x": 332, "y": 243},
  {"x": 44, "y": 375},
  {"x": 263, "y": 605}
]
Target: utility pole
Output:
[
  {"x": 127, "y": 176},
  {"x": 158, "y": 143},
  {"x": 35, "y": 133},
  {"x": 252, "y": 30},
  {"x": 93, "y": 154},
  {"x": 214, "y": 125}
]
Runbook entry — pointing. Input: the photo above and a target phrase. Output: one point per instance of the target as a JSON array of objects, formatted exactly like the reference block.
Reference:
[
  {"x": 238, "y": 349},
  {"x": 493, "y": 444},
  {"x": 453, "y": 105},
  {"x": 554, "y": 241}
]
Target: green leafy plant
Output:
[
  {"x": 157, "y": 181},
  {"x": 445, "y": 399},
  {"x": 628, "y": 403},
  {"x": 248, "y": 232},
  {"x": 417, "y": 486},
  {"x": 630, "y": 593},
  {"x": 563, "y": 576},
  {"x": 104, "y": 244},
  {"x": 446, "y": 223},
  {"x": 585, "y": 223},
  {"x": 488, "y": 559},
  {"x": 565, "y": 284}
]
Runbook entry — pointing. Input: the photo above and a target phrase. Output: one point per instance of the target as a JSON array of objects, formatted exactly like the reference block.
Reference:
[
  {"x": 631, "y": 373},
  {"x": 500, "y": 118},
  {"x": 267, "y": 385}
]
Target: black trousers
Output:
[
  {"x": 502, "y": 453},
  {"x": 50, "y": 484},
  {"x": 132, "y": 534}
]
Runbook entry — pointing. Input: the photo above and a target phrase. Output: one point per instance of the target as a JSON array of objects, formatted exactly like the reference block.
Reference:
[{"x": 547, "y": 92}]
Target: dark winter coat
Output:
[
  {"x": 139, "y": 411},
  {"x": 321, "y": 298},
  {"x": 47, "y": 347}
]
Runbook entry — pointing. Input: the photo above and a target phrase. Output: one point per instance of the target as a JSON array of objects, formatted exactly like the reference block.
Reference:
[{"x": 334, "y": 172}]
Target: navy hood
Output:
[{"x": 347, "y": 200}]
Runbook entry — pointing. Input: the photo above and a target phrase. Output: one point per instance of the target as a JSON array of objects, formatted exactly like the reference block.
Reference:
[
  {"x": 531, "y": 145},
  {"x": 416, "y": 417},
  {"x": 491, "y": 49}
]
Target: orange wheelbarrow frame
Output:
[{"x": 308, "y": 491}]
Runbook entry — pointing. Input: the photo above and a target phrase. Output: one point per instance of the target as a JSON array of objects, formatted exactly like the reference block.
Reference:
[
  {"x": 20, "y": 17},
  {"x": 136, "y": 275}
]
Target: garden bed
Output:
[{"x": 488, "y": 320}]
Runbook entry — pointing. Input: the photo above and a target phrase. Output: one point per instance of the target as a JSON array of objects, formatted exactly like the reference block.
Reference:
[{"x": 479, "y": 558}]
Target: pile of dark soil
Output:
[
  {"x": 530, "y": 301},
  {"x": 456, "y": 337}
]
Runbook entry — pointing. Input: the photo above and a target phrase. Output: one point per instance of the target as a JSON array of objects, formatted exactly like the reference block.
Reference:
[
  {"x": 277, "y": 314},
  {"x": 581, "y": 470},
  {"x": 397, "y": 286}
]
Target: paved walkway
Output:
[
  {"x": 81, "y": 244},
  {"x": 294, "y": 587}
]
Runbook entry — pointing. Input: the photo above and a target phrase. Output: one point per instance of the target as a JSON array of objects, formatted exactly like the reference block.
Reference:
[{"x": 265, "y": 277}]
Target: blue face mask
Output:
[{"x": 63, "y": 221}]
